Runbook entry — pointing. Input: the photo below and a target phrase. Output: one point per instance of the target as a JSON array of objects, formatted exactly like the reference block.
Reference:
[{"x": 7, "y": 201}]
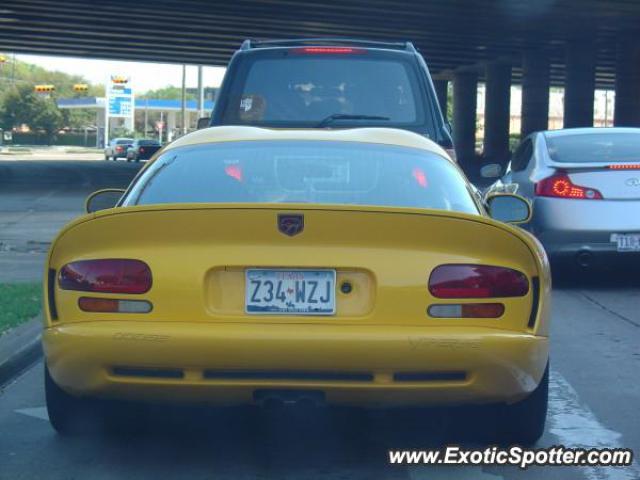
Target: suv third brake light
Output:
[
  {"x": 561, "y": 186},
  {"x": 327, "y": 50}
]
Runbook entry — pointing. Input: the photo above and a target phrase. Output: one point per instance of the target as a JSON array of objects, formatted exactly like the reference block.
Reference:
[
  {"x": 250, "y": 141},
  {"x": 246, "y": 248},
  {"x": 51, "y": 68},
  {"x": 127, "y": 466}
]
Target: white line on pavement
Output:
[{"x": 575, "y": 425}]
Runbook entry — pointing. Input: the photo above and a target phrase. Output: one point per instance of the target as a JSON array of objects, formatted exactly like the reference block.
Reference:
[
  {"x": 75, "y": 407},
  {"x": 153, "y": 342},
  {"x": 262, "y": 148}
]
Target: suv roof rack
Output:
[{"x": 249, "y": 44}]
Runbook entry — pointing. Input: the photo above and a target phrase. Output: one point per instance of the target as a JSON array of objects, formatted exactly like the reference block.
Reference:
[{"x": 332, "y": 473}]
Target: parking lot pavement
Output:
[
  {"x": 594, "y": 392},
  {"x": 37, "y": 198}
]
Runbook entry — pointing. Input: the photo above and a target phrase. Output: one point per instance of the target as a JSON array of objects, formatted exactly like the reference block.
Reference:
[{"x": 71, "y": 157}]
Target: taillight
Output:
[
  {"x": 234, "y": 171},
  {"x": 110, "y": 305},
  {"x": 119, "y": 149},
  {"x": 106, "y": 276},
  {"x": 626, "y": 166},
  {"x": 141, "y": 149},
  {"x": 477, "y": 281},
  {"x": 327, "y": 50},
  {"x": 467, "y": 310},
  {"x": 420, "y": 177},
  {"x": 561, "y": 186}
]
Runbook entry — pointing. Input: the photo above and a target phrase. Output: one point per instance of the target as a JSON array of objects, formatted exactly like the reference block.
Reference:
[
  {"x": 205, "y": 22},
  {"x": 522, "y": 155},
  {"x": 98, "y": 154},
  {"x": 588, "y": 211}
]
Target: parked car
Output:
[
  {"x": 584, "y": 184},
  {"x": 142, "y": 149},
  {"x": 117, "y": 148},
  {"x": 264, "y": 267},
  {"x": 331, "y": 83}
]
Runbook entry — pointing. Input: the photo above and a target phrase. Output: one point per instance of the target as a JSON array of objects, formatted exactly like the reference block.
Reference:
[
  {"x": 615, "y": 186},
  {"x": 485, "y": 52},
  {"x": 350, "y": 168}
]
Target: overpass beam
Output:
[
  {"x": 627, "y": 102},
  {"x": 497, "y": 111},
  {"x": 535, "y": 92},
  {"x": 465, "y": 98},
  {"x": 441, "y": 87},
  {"x": 580, "y": 82}
]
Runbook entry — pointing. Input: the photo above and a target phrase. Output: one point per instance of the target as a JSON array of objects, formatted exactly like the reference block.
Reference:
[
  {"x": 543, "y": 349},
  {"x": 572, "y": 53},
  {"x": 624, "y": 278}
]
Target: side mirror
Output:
[
  {"x": 103, "y": 199},
  {"x": 508, "y": 208},
  {"x": 203, "y": 122},
  {"x": 493, "y": 170}
]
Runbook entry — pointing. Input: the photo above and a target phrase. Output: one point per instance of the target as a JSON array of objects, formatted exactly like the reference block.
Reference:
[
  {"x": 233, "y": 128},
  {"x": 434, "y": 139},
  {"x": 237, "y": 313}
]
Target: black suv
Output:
[{"x": 330, "y": 83}]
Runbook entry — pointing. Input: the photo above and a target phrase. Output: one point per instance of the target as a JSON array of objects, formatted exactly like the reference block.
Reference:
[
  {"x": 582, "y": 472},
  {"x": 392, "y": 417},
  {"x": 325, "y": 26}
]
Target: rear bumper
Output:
[
  {"x": 566, "y": 227},
  {"x": 226, "y": 364}
]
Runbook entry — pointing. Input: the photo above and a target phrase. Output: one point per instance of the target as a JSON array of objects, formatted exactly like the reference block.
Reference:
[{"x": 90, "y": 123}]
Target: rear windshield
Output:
[
  {"x": 304, "y": 90},
  {"x": 148, "y": 142},
  {"x": 610, "y": 147},
  {"x": 303, "y": 172},
  {"x": 124, "y": 141}
]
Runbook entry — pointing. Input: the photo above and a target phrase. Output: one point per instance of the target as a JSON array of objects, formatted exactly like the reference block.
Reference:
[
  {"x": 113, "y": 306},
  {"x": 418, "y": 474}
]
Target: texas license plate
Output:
[
  {"x": 627, "y": 242},
  {"x": 290, "y": 292}
]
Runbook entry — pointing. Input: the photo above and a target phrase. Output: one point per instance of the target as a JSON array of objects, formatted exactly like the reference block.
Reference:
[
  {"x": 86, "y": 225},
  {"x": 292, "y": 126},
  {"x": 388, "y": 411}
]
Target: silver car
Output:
[{"x": 584, "y": 184}]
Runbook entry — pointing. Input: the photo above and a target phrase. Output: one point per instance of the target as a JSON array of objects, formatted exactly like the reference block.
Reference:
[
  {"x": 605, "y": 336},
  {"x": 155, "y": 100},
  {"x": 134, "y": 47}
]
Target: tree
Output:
[{"x": 20, "y": 105}]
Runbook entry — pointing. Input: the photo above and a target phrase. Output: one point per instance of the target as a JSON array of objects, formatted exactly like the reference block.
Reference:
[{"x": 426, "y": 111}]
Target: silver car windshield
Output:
[{"x": 317, "y": 172}]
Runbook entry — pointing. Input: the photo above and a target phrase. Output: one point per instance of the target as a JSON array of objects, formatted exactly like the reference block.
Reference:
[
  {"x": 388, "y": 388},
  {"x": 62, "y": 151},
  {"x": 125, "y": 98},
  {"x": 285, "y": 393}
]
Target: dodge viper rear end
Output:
[{"x": 299, "y": 266}]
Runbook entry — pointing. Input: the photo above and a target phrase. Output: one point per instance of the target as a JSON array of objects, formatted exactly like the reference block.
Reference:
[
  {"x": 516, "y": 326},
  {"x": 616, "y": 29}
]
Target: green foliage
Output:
[
  {"x": 19, "y": 302},
  {"x": 21, "y": 105},
  {"x": 168, "y": 93}
]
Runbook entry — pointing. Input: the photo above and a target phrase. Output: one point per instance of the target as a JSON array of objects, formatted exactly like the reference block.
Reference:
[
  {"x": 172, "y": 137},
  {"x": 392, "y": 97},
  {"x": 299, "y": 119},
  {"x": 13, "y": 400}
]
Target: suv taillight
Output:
[
  {"x": 106, "y": 276},
  {"x": 327, "y": 50},
  {"x": 477, "y": 281},
  {"x": 561, "y": 186}
]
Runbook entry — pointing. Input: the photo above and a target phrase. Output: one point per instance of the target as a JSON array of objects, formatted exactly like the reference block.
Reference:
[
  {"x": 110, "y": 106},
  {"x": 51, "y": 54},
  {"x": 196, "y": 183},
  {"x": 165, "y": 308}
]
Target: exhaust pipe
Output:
[
  {"x": 277, "y": 400},
  {"x": 584, "y": 258}
]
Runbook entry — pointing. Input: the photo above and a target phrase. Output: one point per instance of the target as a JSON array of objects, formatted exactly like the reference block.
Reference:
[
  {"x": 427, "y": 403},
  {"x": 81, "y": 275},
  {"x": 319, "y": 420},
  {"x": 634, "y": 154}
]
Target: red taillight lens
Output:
[
  {"x": 327, "y": 50},
  {"x": 141, "y": 149},
  {"x": 234, "y": 171},
  {"x": 561, "y": 186},
  {"x": 106, "y": 276},
  {"x": 420, "y": 177},
  {"x": 477, "y": 281},
  {"x": 119, "y": 149}
]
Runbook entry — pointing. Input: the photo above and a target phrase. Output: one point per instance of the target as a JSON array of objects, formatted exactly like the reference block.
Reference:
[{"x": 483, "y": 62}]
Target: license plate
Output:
[
  {"x": 627, "y": 242},
  {"x": 290, "y": 292}
]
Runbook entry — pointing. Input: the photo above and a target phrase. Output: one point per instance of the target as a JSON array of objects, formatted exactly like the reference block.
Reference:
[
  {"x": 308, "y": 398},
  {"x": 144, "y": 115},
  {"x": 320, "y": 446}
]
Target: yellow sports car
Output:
[{"x": 334, "y": 267}]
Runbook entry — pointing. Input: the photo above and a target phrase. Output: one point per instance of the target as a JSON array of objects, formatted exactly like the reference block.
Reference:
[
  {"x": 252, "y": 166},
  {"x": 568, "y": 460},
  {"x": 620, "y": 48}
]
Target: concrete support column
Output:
[
  {"x": 580, "y": 83},
  {"x": 441, "y": 87},
  {"x": 496, "y": 111},
  {"x": 627, "y": 103},
  {"x": 465, "y": 99},
  {"x": 535, "y": 92}
]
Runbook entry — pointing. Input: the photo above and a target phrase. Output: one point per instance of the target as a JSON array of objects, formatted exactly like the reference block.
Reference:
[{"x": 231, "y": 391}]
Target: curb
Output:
[{"x": 19, "y": 349}]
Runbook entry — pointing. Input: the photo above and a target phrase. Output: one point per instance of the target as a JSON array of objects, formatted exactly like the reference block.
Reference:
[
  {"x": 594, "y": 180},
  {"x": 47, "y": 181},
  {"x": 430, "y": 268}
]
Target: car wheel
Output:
[
  {"x": 523, "y": 422},
  {"x": 68, "y": 415}
]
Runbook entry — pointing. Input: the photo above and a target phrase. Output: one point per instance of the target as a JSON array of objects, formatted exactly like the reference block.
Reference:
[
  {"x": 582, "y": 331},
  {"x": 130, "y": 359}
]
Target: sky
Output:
[{"x": 144, "y": 76}]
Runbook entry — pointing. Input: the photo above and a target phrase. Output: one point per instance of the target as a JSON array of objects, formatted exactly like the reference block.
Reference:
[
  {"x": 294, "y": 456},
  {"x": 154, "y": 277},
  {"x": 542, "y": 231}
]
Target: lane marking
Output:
[
  {"x": 35, "y": 412},
  {"x": 575, "y": 425}
]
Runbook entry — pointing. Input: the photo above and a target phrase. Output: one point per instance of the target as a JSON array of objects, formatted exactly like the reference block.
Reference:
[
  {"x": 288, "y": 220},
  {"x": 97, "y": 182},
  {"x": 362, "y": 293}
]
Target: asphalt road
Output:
[
  {"x": 594, "y": 391},
  {"x": 38, "y": 197}
]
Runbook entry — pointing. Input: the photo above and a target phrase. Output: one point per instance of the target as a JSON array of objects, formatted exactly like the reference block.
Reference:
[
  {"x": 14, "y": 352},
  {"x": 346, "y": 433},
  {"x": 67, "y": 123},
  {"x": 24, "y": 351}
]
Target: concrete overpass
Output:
[{"x": 578, "y": 44}]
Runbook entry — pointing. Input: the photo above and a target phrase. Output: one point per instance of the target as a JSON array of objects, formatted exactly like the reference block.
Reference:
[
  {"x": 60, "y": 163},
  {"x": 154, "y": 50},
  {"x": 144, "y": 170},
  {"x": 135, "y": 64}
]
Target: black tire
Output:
[
  {"x": 68, "y": 414},
  {"x": 523, "y": 423}
]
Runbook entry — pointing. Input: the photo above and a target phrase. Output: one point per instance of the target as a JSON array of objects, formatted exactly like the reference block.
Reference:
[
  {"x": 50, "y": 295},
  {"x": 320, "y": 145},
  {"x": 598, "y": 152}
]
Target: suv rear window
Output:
[
  {"x": 295, "y": 171},
  {"x": 298, "y": 89}
]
